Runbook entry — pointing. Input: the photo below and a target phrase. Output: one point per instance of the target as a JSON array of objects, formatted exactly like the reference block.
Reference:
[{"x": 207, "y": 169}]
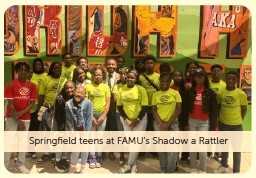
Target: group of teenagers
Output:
[{"x": 117, "y": 98}]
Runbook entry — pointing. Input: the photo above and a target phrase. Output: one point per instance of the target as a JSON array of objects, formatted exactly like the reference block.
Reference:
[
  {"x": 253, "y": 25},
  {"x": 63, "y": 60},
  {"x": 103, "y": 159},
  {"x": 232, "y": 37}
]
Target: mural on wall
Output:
[
  {"x": 100, "y": 45},
  {"x": 163, "y": 22},
  {"x": 74, "y": 30},
  {"x": 12, "y": 30},
  {"x": 246, "y": 80},
  {"x": 43, "y": 16},
  {"x": 234, "y": 22}
]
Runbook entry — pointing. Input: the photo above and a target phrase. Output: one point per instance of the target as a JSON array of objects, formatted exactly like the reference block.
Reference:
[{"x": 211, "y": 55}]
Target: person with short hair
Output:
[
  {"x": 68, "y": 68},
  {"x": 231, "y": 116},
  {"x": 165, "y": 112},
  {"x": 20, "y": 95}
]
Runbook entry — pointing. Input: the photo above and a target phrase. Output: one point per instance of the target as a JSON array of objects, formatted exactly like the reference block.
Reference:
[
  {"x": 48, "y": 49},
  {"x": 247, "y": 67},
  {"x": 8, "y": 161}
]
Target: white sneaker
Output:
[
  {"x": 72, "y": 169},
  {"x": 193, "y": 171},
  {"x": 82, "y": 170},
  {"x": 134, "y": 169},
  {"x": 125, "y": 169},
  {"x": 221, "y": 169},
  {"x": 201, "y": 172},
  {"x": 22, "y": 169}
]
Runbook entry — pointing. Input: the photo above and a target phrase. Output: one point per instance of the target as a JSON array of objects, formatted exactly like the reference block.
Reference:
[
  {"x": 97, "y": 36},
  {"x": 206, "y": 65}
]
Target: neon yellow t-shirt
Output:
[
  {"x": 50, "y": 89},
  {"x": 97, "y": 94},
  {"x": 149, "y": 88},
  {"x": 132, "y": 100},
  {"x": 165, "y": 101},
  {"x": 37, "y": 79},
  {"x": 231, "y": 101},
  {"x": 116, "y": 89},
  {"x": 68, "y": 72},
  {"x": 218, "y": 87}
]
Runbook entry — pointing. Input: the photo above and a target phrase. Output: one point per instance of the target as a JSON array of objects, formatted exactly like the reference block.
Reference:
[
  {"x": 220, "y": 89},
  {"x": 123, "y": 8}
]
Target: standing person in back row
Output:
[
  {"x": 233, "y": 108},
  {"x": 21, "y": 95},
  {"x": 217, "y": 85},
  {"x": 68, "y": 67},
  {"x": 150, "y": 81},
  {"x": 111, "y": 79}
]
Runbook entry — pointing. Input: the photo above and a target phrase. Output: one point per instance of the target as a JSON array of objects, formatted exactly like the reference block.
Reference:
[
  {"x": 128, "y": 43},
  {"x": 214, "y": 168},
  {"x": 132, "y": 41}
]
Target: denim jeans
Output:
[
  {"x": 168, "y": 159},
  {"x": 140, "y": 127},
  {"x": 119, "y": 122},
  {"x": 98, "y": 128},
  {"x": 12, "y": 125},
  {"x": 236, "y": 155},
  {"x": 75, "y": 156},
  {"x": 198, "y": 125}
]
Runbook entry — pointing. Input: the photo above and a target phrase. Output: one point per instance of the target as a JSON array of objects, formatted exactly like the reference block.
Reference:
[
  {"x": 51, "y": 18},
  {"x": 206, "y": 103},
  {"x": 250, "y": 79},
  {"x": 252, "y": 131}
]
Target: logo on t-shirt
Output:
[
  {"x": 164, "y": 98},
  {"x": 39, "y": 82},
  {"x": 229, "y": 100},
  {"x": 54, "y": 87},
  {"x": 67, "y": 75},
  {"x": 24, "y": 91},
  {"x": 97, "y": 92},
  {"x": 198, "y": 99}
]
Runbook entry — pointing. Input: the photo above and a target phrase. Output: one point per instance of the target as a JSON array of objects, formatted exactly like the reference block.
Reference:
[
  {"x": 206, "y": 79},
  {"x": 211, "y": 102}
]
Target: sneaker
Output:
[
  {"x": 134, "y": 169},
  {"x": 59, "y": 166},
  {"x": 22, "y": 169},
  {"x": 92, "y": 163},
  {"x": 125, "y": 169},
  {"x": 201, "y": 172},
  {"x": 65, "y": 164},
  {"x": 72, "y": 169},
  {"x": 82, "y": 170},
  {"x": 98, "y": 161},
  {"x": 221, "y": 169},
  {"x": 193, "y": 171},
  {"x": 217, "y": 156},
  {"x": 32, "y": 155},
  {"x": 45, "y": 157},
  {"x": 121, "y": 160}
]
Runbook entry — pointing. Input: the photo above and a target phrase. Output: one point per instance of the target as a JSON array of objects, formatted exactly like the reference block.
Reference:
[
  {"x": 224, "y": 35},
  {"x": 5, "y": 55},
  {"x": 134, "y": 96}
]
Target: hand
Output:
[
  {"x": 128, "y": 122},
  {"x": 100, "y": 121},
  {"x": 22, "y": 127},
  {"x": 164, "y": 126},
  {"x": 16, "y": 115},
  {"x": 94, "y": 122},
  {"x": 134, "y": 123}
]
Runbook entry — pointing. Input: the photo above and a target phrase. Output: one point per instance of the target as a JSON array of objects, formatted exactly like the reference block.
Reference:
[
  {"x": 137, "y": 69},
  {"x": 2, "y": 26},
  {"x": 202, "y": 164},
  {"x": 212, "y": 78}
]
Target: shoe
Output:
[
  {"x": 82, "y": 170},
  {"x": 201, "y": 172},
  {"x": 59, "y": 166},
  {"x": 98, "y": 161},
  {"x": 72, "y": 169},
  {"x": 53, "y": 156},
  {"x": 92, "y": 163},
  {"x": 111, "y": 156},
  {"x": 217, "y": 156},
  {"x": 22, "y": 169},
  {"x": 185, "y": 161},
  {"x": 65, "y": 164},
  {"x": 32, "y": 155},
  {"x": 134, "y": 169},
  {"x": 121, "y": 160},
  {"x": 45, "y": 157},
  {"x": 221, "y": 169},
  {"x": 127, "y": 168},
  {"x": 193, "y": 171}
]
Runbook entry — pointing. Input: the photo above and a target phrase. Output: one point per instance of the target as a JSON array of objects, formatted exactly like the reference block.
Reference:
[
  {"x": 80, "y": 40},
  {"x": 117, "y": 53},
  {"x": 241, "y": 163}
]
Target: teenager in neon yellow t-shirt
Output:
[
  {"x": 37, "y": 77},
  {"x": 216, "y": 84},
  {"x": 166, "y": 107},
  {"x": 132, "y": 105},
  {"x": 99, "y": 94},
  {"x": 67, "y": 68},
  {"x": 233, "y": 108}
]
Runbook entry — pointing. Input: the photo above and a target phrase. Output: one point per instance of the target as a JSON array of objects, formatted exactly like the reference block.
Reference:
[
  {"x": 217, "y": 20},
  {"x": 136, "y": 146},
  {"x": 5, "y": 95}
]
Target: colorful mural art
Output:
[
  {"x": 12, "y": 30},
  {"x": 234, "y": 22},
  {"x": 47, "y": 17},
  {"x": 246, "y": 80},
  {"x": 147, "y": 22},
  {"x": 100, "y": 45}
]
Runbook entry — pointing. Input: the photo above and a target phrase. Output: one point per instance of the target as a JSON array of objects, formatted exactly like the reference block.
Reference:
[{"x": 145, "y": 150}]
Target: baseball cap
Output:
[{"x": 200, "y": 71}]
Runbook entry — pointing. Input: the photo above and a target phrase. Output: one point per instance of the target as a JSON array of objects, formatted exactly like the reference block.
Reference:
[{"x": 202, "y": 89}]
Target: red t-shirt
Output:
[
  {"x": 21, "y": 93},
  {"x": 198, "y": 113}
]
